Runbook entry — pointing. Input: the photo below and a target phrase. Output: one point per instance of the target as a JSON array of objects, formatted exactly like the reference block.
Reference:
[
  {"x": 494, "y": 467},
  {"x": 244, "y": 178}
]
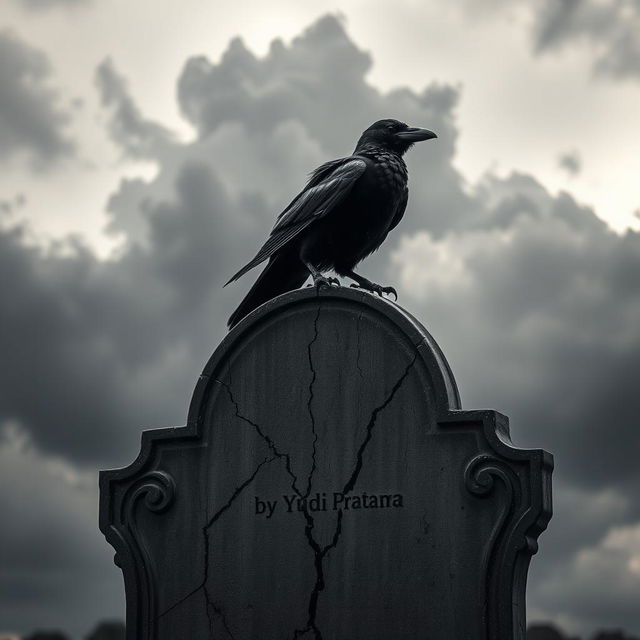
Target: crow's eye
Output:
[{"x": 391, "y": 127}]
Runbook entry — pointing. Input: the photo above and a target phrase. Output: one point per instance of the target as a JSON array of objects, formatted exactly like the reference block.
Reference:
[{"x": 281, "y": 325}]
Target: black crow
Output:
[{"x": 343, "y": 214}]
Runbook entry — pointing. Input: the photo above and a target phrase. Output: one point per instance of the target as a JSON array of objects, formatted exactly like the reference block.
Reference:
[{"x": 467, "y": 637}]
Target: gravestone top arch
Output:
[{"x": 328, "y": 485}]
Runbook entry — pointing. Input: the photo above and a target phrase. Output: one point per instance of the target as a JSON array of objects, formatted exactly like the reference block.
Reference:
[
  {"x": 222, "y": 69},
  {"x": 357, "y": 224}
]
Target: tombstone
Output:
[{"x": 328, "y": 485}]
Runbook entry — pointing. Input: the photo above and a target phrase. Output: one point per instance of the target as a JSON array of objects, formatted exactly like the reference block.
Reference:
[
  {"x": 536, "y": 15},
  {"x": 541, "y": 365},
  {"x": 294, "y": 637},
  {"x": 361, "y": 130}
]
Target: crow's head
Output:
[{"x": 393, "y": 135}]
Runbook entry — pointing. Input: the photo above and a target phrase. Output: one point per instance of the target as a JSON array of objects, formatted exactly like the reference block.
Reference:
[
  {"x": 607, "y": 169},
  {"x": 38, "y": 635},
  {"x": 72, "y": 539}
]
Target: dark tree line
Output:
[
  {"x": 115, "y": 631},
  {"x": 104, "y": 631},
  {"x": 551, "y": 632}
]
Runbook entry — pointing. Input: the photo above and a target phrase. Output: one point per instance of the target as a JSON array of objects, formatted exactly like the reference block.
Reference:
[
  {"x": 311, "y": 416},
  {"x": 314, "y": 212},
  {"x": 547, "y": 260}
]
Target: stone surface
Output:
[{"x": 328, "y": 485}]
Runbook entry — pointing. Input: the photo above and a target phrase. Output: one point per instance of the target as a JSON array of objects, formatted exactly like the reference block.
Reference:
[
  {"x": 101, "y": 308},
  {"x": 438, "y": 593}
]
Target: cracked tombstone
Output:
[{"x": 327, "y": 485}]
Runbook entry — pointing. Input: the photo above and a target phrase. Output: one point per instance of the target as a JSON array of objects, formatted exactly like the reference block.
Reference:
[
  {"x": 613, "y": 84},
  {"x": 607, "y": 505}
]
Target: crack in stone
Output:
[
  {"x": 311, "y": 416},
  {"x": 358, "y": 346},
  {"x": 205, "y": 531},
  {"x": 237, "y": 492},
  {"x": 348, "y": 487},
  {"x": 179, "y": 602},
  {"x": 269, "y": 441},
  {"x": 319, "y": 552},
  {"x": 319, "y": 555},
  {"x": 217, "y": 611},
  {"x": 208, "y": 606}
]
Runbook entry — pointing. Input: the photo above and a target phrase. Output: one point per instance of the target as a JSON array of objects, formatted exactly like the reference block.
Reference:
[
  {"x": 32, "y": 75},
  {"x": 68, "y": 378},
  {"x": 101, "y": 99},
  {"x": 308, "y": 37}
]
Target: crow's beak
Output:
[{"x": 415, "y": 134}]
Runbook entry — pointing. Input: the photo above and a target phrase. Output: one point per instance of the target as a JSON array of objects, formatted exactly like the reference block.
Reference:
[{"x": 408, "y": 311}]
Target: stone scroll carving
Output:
[{"x": 328, "y": 485}]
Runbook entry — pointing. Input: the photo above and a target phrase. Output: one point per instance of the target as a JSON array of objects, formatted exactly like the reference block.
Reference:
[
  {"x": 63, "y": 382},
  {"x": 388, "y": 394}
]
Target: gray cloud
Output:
[
  {"x": 138, "y": 137},
  {"x": 55, "y": 546},
  {"x": 286, "y": 84},
  {"x": 112, "y": 330},
  {"x": 612, "y": 29},
  {"x": 319, "y": 82},
  {"x": 533, "y": 298},
  {"x": 609, "y": 566},
  {"x": 11, "y": 205},
  {"x": 571, "y": 162},
  {"x": 38, "y": 5},
  {"x": 30, "y": 119}
]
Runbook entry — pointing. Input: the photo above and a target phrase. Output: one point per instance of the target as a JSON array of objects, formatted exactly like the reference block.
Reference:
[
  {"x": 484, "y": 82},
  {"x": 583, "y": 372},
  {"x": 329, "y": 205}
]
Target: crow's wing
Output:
[{"x": 328, "y": 186}]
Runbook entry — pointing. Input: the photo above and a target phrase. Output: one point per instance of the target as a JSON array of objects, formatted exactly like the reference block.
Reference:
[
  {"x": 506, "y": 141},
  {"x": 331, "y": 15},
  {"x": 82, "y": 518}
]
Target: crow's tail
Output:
[{"x": 283, "y": 273}]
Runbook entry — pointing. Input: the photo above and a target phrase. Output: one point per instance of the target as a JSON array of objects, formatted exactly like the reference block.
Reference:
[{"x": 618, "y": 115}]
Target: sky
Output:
[{"x": 145, "y": 150}]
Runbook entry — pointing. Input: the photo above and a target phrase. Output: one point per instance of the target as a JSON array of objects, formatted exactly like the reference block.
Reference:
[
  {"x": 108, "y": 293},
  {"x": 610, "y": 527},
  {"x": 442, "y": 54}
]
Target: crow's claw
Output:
[
  {"x": 323, "y": 281},
  {"x": 389, "y": 291},
  {"x": 376, "y": 288}
]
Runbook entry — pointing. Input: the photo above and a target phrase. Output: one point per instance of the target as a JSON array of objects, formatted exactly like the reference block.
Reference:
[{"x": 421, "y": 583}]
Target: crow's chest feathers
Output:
[
  {"x": 378, "y": 197},
  {"x": 389, "y": 173}
]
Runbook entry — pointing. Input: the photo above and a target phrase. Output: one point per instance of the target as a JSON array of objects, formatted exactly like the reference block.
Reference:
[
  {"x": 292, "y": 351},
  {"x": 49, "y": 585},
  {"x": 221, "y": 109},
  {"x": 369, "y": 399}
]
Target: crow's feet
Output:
[
  {"x": 375, "y": 288},
  {"x": 322, "y": 281}
]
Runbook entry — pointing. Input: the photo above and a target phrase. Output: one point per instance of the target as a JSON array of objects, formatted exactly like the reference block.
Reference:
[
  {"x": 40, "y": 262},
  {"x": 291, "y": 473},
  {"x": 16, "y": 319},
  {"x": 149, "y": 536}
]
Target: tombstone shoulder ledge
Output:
[{"x": 355, "y": 301}]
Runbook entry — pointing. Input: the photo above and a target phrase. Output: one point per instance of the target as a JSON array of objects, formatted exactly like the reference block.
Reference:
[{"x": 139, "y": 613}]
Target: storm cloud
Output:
[
  {"x": 532, "y": 297},
  {"x": 608, "y": 31},
  {"x": 135, "y": 135},
  {"x": 57, "y": 560},
  {"x": 611, "y": 29},
  {"x": 31, "y": 119}
]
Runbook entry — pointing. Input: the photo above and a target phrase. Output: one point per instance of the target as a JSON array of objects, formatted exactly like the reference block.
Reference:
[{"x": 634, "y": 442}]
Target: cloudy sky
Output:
[{"x": 145, "y": 149}]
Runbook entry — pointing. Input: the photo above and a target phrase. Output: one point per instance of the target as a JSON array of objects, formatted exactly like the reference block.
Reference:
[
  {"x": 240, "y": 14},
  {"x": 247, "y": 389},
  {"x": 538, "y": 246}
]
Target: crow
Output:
[{"x": 343, "y": 214}]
